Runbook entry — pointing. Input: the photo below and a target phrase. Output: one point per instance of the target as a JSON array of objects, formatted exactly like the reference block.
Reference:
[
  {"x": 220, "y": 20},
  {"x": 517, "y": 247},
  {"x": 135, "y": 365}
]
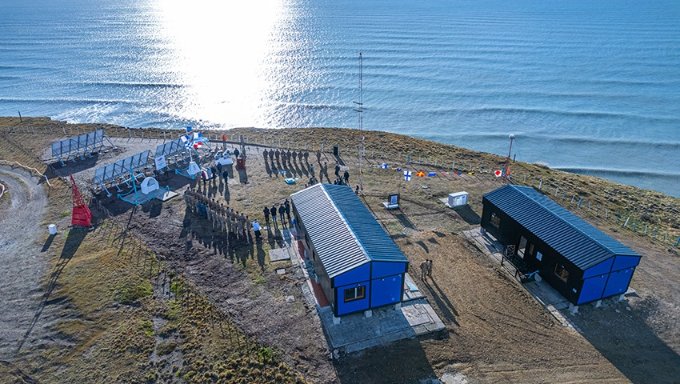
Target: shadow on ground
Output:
[
  {"x": 403, "y": 362},
  {"x": 73, "y": 240},
  {"x": 625, "y": 339},
  {"x": 466, "y": 213}
]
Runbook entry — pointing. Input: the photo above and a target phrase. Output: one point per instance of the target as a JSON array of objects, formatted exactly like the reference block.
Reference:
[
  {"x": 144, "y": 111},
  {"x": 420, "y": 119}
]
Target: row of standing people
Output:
[
  {"x": 223, "y": 218},
  {"x": 282, "y": 155},
  {"x": 283, "y": 212}
]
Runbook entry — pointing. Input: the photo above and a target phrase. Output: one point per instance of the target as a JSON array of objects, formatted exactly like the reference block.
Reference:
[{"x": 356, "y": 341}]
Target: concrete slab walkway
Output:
[{"x": 357, "y": 332}]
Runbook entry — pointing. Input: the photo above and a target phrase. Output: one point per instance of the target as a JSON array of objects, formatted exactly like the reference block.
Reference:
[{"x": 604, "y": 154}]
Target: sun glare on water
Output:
[{"x": 220, "y": 50}]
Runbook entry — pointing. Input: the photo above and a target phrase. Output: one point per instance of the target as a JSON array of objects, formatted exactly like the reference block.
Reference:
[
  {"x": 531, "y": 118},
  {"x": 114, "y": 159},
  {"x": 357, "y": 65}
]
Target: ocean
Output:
[{"x": 586, "y": 86}]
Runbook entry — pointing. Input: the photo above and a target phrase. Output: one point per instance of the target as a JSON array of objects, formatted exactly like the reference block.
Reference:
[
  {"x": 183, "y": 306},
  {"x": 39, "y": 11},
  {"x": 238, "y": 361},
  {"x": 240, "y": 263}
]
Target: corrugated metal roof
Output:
[
  {"x": 344, "y": 232},
  {"x": 568, "y": 234}
]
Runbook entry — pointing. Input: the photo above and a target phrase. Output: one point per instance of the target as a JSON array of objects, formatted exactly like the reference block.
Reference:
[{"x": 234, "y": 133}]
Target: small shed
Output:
[
  {"x": 358, "y": 265},
  {"x": 577, "y": 259}
]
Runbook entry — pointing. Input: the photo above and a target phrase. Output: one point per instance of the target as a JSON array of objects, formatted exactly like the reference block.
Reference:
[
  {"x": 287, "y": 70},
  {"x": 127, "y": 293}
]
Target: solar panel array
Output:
[
  {"x": 170, "y": 148},
  {"x": 120, "y": 168},
  {"x": 85, "y": 142}
]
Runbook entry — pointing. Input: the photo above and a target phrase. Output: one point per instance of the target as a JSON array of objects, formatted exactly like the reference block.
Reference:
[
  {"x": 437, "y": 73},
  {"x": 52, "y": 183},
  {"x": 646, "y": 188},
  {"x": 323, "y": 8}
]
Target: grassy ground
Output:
[
  {"x": 124, "y": 318},
  {"x": 146, "y": 324},
  {"x": 650, "y": 213}
]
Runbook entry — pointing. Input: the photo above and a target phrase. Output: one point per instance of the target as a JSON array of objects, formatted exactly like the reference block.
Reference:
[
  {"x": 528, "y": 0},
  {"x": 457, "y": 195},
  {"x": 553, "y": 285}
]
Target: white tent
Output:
[
  {"x": 149, "y": 185},
  {"x": 193, "y": 168}
]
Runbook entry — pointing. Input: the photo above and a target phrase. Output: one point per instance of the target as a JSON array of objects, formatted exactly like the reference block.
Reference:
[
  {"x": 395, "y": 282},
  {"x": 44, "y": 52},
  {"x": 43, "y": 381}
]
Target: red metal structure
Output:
[{"x": 81, "y": 216}]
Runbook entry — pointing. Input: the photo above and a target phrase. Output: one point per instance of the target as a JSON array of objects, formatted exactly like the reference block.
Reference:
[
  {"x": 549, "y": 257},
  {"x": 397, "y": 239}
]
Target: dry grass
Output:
[
  {"x": 108, "y": 307},
  {"x": 109, "y": 332}
]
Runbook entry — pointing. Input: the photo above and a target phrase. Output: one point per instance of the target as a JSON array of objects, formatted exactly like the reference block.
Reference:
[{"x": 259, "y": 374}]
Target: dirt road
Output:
[{"x": 23, "y": 263}]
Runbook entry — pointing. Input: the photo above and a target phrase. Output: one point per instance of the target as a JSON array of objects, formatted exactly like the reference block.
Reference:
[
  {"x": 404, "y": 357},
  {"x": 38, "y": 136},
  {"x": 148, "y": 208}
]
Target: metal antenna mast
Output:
[
  {"x": 507, "y": 161},
  {"x": 360, "y": 110}
]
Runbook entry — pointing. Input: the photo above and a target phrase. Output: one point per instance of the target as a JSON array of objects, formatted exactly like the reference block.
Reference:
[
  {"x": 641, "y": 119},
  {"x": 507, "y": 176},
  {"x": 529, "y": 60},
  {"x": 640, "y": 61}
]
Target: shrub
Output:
[{"x": 130, "y": 293}]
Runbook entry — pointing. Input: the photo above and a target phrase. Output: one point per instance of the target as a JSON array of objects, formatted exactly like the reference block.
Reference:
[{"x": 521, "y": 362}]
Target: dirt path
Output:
[
  {"x": 23, "y": 263},
  {"x": 258, "y": 304}
]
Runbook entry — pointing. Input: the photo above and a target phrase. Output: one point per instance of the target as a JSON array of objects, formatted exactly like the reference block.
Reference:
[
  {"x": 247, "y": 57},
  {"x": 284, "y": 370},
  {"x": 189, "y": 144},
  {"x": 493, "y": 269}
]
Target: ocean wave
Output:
[
  {"x": 605, "y": 172},
  {"x": 559, "y": 112},
  {"x": 571, "y": 140},
  {"x": 10, "y": 100},
  {"x": 131, "y": 84},
  {"x": 312, "y": 106}
]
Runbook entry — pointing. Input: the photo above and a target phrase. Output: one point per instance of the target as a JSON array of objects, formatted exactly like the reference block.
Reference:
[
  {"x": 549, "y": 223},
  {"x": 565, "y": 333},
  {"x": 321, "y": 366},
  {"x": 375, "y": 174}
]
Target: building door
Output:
[{"x": 523, "y": 247}]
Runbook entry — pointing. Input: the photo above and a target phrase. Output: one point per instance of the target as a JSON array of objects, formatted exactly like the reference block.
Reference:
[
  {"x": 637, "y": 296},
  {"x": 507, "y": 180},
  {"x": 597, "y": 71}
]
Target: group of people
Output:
[
  {"x": 426, "y": 269},
  {"x": 283, "y": 212},
  {"x": 341, "y": 180},
  {"x": 283, "y": 156},
  {"x": 223, "y": 218}
]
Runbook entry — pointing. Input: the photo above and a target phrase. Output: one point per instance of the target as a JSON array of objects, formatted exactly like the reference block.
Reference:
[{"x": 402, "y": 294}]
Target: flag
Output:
[
  {"x": 498, "y": 173},
  {"x": 189, "y": 128},
  {"x": 420, "y": 174},
  {"x": 398, "y": 169},
  {"x": 184, "y": 139},
  {"x": 407, "y": 175},
  {"x": 198, "y": 145},
  {"x": 383, "y": 165},
  {"x": 431, "y": 174}
]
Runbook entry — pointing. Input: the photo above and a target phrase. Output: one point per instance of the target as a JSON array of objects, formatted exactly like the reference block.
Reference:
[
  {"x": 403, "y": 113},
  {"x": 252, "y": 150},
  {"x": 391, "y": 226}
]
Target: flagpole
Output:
[{"x": 360, "y": 110}]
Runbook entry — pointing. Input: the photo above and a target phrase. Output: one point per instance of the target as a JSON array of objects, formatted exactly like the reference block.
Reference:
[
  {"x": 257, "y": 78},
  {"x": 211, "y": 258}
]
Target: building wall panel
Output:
[
  {"x": 624, "y": 262},
  {"x": 618, "y": 282},
  {"x": 592, "y": 289},
  {"x": 386, "y": 290},
  {"x": 360, "y": 273},
  {"x": 381, "y": 269},
  {"x": 599, "y": 269},
  {"x": 344, "y": 308}
]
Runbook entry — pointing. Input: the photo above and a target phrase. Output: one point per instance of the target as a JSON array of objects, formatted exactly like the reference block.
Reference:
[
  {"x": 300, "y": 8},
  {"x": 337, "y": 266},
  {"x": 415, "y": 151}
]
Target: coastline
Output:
[
  {"x": 649, "y": 208},
  {"x": 142, "y": 248}
]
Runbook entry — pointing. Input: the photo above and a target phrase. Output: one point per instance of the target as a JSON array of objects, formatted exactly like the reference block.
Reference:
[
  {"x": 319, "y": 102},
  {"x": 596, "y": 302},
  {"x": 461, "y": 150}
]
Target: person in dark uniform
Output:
[
  {"x": 282, "y": 213},
  {"x": 337, "y": 170},
  {"x": 346, "y": 177},
  {"x": 286, "y": 205},
  {"x": 272, "y": 211},
  {"x": 266, "y": 215}
]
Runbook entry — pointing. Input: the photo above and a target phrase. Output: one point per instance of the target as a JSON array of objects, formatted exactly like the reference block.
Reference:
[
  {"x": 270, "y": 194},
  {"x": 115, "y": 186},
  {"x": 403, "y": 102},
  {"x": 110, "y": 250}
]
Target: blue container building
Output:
[
  {"x": 577, "y": 259},
  {"x": 358, "y": 265}
]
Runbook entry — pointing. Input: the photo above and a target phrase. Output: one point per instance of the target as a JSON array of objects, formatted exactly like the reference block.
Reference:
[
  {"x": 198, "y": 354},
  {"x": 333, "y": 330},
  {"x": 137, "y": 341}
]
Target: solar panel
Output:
[
  {"x": 83, "y": 142},
  {"x": 169, "y": 148},
  {"x": 110, "y": 172},
  {"x": 99, "y": 175}
]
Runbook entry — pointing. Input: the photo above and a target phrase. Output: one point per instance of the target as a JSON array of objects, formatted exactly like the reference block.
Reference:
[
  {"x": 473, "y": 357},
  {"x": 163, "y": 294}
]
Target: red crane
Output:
[{"x": 81, "y": 216}]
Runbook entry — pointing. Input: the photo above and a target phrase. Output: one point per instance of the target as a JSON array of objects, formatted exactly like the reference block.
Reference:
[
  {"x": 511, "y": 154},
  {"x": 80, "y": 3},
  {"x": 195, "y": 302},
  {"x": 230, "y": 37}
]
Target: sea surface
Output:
[{"x": 586, "y": 86}]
